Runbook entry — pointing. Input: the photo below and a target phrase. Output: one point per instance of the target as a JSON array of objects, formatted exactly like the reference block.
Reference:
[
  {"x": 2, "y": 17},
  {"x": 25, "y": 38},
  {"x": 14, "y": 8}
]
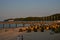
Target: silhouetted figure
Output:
[
  {"x": 21, "y": 37},
  {"x": 49, "y": 28},
  {"x": 20, "y": 30},
  {"x": 29, "y": 30},
  {"x": 18, "y": 38},
  {"x": 37, "y": 27},
  {"x": 35, "y": 30},
  {"x": 42, "y": 28}
]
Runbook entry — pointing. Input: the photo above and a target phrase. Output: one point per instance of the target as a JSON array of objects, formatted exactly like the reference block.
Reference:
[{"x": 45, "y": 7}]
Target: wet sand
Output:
[{"x": 41, "y": 36}]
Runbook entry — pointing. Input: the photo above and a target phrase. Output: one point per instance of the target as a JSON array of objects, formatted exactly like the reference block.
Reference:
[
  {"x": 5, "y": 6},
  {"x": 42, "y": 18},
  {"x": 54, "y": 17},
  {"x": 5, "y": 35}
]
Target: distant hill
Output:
[{"x": 47, "y": 18}]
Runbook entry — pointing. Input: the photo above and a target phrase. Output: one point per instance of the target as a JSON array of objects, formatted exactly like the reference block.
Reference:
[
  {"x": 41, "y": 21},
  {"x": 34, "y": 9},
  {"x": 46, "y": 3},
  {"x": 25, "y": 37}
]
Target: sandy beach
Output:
[
  {"x": 13, "y": 35},
  {"x": 9, "y": 35}
]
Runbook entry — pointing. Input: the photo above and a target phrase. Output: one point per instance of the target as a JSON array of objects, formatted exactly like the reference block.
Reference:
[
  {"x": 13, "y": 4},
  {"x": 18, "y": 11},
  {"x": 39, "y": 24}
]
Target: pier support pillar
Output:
[
  {"x": 16, "y": 25},
  {"x": 3, "y": 25},
  {"x": 23, "y": 25},
  {"x": 9, "y": 25}
]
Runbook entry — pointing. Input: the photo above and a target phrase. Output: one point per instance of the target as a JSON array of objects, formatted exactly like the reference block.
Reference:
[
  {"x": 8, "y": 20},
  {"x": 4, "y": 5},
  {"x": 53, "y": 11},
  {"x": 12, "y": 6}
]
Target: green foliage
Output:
[{"x": 47, "y": 18}]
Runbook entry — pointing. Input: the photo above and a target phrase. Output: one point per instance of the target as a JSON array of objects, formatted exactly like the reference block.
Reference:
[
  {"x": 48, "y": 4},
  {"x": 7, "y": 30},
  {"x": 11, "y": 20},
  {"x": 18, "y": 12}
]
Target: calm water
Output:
[
  {"x": 18, "y": 25},
  {"x": 12, "y": 25}
]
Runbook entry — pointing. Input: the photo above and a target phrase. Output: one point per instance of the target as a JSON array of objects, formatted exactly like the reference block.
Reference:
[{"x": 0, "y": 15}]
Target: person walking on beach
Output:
[{"x": 20, "y": 37}]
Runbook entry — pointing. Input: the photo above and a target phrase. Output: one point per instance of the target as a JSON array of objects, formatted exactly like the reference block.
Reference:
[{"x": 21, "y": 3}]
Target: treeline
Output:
[{"x": 46, "y": 18}]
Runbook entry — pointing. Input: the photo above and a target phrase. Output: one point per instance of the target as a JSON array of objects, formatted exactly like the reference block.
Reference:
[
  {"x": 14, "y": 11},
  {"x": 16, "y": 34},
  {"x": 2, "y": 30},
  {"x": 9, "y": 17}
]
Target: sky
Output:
[{"x": 28, "y": 8}]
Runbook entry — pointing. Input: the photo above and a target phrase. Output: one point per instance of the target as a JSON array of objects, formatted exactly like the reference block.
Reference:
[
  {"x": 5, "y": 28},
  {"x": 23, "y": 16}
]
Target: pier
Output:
[
  {"x": 33, "y": 25},
  {"x": 24, "y": 22}
]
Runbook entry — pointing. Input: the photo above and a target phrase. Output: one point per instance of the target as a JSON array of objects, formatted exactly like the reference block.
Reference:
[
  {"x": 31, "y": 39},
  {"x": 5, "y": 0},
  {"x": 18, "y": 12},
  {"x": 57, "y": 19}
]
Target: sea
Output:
[
  {"x": 12, "y": 25},
  {"x": 18, "y": 25}
]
